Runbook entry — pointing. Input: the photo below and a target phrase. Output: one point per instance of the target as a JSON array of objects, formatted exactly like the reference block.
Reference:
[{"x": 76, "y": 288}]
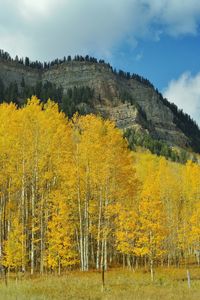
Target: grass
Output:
[{"x": 170, "y": 284}]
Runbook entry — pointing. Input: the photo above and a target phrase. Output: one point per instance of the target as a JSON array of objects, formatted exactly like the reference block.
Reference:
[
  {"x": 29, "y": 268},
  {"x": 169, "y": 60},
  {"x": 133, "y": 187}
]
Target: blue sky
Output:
[
  {"x": 160, "y": 61},
  {"x": 159, "y": 39}
]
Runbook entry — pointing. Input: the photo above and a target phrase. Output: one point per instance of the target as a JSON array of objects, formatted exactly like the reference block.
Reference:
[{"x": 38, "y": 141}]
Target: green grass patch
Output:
[{"x": 170, "y": 284}]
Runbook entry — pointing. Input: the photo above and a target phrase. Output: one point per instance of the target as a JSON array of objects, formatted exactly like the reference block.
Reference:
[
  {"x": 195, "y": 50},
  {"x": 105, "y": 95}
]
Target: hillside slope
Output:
[{"x": 129, "y": 100}]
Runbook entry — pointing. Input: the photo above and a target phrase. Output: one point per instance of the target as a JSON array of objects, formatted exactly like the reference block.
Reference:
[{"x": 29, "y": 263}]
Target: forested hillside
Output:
[
  {"x": 87, "y": 85},
  {"x": 74, "y": 196}
]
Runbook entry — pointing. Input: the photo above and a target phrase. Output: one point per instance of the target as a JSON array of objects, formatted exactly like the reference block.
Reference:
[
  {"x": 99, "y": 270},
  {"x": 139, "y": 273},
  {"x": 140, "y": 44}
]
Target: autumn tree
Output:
[{"x": 73, "y": 195}]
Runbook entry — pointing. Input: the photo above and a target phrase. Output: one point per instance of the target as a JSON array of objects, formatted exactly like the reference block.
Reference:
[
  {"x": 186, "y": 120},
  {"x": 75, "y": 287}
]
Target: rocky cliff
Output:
[
  {"x": 141, "y": 106},
  {"x": 14, "y": 72}
]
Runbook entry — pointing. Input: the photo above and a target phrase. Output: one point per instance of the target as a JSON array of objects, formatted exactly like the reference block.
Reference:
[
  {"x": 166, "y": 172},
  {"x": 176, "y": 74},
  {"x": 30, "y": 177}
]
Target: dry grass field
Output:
[{"x": 119, "y": 284}]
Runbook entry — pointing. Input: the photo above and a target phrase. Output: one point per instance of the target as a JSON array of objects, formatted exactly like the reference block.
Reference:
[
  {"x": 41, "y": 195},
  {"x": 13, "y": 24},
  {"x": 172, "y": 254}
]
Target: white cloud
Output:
[
  {"x": 54, "y": 28},
  {"x": 37, "y": 8},
  {"x": 17, "y": 44},
  {"x": 185, "y": 93},
  {"x": 177, "y": 16}
]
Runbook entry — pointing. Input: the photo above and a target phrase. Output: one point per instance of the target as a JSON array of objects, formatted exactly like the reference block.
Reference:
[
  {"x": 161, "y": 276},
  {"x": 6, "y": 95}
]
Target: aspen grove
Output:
[{"x": 72, "y": 195}]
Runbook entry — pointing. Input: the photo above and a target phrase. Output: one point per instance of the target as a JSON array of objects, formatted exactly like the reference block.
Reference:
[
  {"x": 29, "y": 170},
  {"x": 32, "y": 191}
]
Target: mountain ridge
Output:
[{"x": 130, "y": 100}]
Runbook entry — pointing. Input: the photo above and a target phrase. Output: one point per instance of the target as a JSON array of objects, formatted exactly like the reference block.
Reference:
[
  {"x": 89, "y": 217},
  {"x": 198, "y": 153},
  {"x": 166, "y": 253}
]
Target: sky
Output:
[{"x": 158, "y": 39}]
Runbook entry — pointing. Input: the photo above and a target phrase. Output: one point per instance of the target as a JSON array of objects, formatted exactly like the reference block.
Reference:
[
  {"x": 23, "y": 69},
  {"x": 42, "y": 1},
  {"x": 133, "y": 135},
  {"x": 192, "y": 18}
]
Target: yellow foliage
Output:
[{"x": 72, "y": 192}]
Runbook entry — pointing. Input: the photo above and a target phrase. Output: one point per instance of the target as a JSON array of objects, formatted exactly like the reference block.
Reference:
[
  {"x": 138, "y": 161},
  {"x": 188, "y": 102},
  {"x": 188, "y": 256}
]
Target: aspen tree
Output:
[
  {"x": 14, "y": 254},
  {"x": 152, "y": 219},
  {"x": 61, "y": 249},
  {"x": 73, "y": 194}
]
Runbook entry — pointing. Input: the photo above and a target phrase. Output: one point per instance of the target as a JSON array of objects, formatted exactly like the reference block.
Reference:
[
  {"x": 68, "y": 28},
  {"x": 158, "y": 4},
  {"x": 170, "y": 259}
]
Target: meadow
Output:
[{"x": 169, "y": 284}]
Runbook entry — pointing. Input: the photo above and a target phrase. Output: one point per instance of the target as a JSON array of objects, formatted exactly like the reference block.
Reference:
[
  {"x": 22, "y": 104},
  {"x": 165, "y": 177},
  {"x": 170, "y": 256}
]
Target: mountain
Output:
[{"x": 86, "y": 85}]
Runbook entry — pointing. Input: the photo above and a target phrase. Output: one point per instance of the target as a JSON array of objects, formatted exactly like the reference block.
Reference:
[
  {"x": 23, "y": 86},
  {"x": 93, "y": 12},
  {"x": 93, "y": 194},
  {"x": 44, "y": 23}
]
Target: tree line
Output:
[
  {"x": 185, "y": 123},
  {"x": 19, "y": 93},
  {"x": 69, "y": 103},
  {"x": 182, "y": 119},
  {"x": 157, "y": 147},
  {"x": 74, "y": 196},
  {"x": 46, "y": 65},
  {"x": 81, "y": 100}
]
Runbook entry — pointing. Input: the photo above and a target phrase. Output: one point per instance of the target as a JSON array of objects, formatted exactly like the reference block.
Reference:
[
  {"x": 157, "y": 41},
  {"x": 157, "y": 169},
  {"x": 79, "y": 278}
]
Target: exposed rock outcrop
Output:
[{"x": 146, "y": 113}]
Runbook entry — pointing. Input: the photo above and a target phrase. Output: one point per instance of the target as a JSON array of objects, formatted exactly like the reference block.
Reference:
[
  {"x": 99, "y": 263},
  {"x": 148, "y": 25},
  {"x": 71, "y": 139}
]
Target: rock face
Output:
[
  {"x": 14, "y": 72},
  {"x": 146, "y": 113}
]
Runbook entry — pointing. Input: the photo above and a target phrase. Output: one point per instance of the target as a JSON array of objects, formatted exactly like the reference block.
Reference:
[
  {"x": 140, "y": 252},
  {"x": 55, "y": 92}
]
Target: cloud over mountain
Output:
[{"x": 185, "y": 93}]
